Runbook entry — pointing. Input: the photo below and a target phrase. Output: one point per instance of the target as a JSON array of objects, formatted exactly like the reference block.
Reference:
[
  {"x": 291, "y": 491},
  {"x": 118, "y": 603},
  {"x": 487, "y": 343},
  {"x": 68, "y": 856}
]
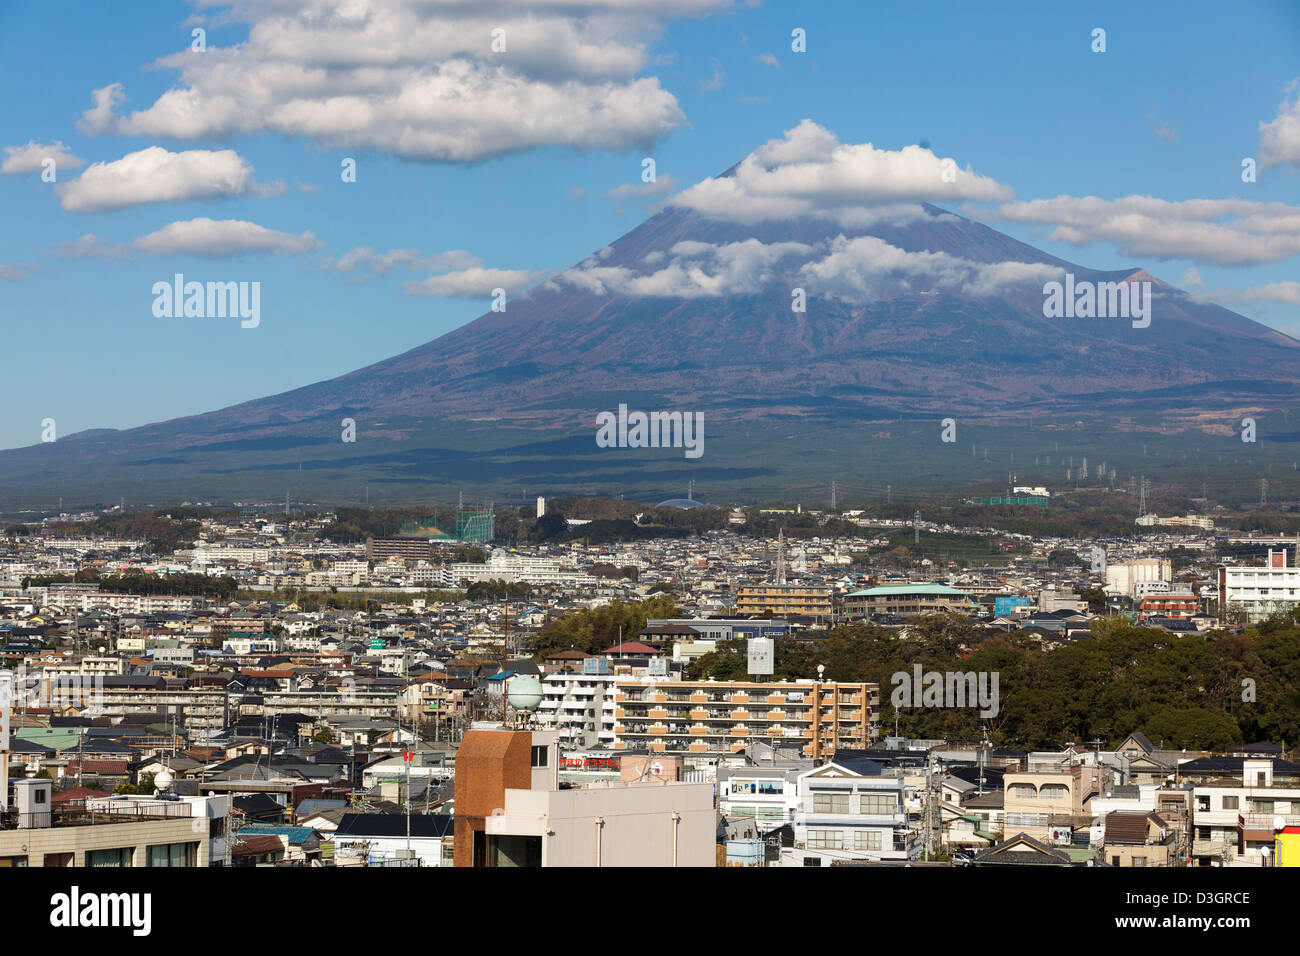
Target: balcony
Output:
[
  {"x": 698, "y": 713},
  {"x": 740, "y": 714}
]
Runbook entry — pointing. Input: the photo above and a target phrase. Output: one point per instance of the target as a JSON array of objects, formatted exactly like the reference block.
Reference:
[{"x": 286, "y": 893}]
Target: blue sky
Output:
[{"x": 1010, "y": 90}]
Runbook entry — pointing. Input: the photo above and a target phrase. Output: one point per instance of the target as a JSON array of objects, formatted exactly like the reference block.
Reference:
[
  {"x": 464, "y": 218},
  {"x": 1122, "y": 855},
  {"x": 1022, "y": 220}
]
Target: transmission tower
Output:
[{"x": 780, "y": 557}]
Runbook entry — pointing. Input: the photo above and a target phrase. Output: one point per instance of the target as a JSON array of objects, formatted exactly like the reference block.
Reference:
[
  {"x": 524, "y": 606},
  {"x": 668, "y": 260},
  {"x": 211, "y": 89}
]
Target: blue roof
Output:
[{"x": 295, "y": 834}]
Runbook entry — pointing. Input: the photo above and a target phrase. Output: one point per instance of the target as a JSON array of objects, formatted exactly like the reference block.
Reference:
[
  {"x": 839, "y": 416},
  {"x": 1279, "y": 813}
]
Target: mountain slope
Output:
[{"x": 938, "y": 331}]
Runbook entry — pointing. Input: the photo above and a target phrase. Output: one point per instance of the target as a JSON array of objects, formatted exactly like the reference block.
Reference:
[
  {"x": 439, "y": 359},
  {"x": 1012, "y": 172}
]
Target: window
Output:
[
  {"x": 1053, "y": 791},
  {"x": 38, "y": 796},
  {"x": 879, "y": 803},
  {"x": 539, "y": 756},
  {"x": 825, "y": 840},
  {"x": 173, "y": 854},
  {"x": 1139, "y": 861},
  {"x": 121, "y": 856},
  {"x": 812, "y": 861},
  {"x": 866, "y": 840},
  {"x": 1024, "y": 791},
  {"x": 1229, "y": 803},
  {"x": 830, "y": 803}
]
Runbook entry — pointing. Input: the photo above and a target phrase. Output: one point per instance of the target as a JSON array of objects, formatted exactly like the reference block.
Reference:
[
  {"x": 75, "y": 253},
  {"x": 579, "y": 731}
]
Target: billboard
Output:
[
  {"x": 658, "y": 667},
  {"x": 762, "y": 651}
]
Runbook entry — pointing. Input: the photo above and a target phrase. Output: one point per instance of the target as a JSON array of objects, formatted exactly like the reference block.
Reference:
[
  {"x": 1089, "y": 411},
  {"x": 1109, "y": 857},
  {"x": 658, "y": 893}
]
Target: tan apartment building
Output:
[
  {"x": 1045, "y": 804},
  {"x": 33, "y": 833},
  {"x": 719, "y": 718},
  {"x": 906, "y": 599},
  {"x": 781, "y": 600}
]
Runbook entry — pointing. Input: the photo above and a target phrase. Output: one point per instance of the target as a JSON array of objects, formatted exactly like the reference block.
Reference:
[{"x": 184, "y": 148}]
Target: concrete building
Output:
[
  {"x": 1259, "y": 590},
  {"x": 580, "y": 707},
  {"x": 711, "y": 719},
  {"x": 1124, "y": 577},
  {"x": 1235, "y": 821},
  {"x": 806, "y": 600},
  {"x": 906, "y": 599},
  {"x": 151, "y": 834},
  {"x": 510, "y": 811},
  {"x": 848, "y": 811}
]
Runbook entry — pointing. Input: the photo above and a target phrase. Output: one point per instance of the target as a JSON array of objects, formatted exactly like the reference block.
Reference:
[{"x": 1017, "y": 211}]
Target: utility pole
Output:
[{"x": 833, "y": 496}]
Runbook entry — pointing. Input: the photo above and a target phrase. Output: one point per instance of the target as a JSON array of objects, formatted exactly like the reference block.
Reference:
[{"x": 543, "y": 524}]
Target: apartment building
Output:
[
  {"x": 1260, "y": 590},
  {"x": 848, "y": 812},
  {"x": 409, "y": 549},
  {"x": 767, "y": 795},
  {"x": 156, "y": 833},
  {"x": 806, "y": 600},
  {"x": 580, "y": 707},
  {"x": 904, "y": 599},
  {"x": 516, "y": 569},
  {"x": 711, "y": 719},
  {"x": 1176, "y": 606},
  {"x": 1235, "y": 820},
  {"x": 199, "y": 710},
  {"x": 1048, "y": 805}
]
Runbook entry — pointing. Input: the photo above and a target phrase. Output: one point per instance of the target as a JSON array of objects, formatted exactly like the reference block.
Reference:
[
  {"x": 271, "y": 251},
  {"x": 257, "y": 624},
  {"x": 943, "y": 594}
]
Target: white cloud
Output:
[
  {"x": 1284, "y": 292},
  {"x": 29, "y": 158},
  {"x": 661, "y": 185},
  {"x": 1192, "y": 279},
  {"x": 99, "y": 118},
  {"x": 225, "y": 237},
  {"x": 91, "y": 246},
  {"x": 865, "y": 268},
  {"x": 694, "y": 270},
  {"x": 1219, "y": 231},
  {"x": 419, "y": 79},
  {"x": 471, "y": 283},
  {"x": 18, "y": 273},
  {"x": 381, "y": 263},
  {"x": 157, "y": 175},
  {"x": 768, "y": 60},
  {"x": 809, "y": 172},
  {"x": 1279, "y": 139},
  {"x": 858, "y": 270}
]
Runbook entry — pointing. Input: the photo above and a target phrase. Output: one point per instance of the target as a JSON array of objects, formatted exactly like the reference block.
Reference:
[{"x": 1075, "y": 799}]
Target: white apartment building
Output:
[
  {"x": 843, "y": 815},
  {"x": 1260, "y": 590},
  {"x": 580, "y": 707},
  {"x": 515, "y": 569},
  {"x": 1124, "y": 577},
  {"x": 424, "y": 575},
  {"x": 768, "y": 796},
  {"x": 1234, "y": 824}
]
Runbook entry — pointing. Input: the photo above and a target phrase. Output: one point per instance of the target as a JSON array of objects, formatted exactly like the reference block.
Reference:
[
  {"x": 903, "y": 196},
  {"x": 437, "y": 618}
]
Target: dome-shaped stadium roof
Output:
[{"x": 683, "y": 503}]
